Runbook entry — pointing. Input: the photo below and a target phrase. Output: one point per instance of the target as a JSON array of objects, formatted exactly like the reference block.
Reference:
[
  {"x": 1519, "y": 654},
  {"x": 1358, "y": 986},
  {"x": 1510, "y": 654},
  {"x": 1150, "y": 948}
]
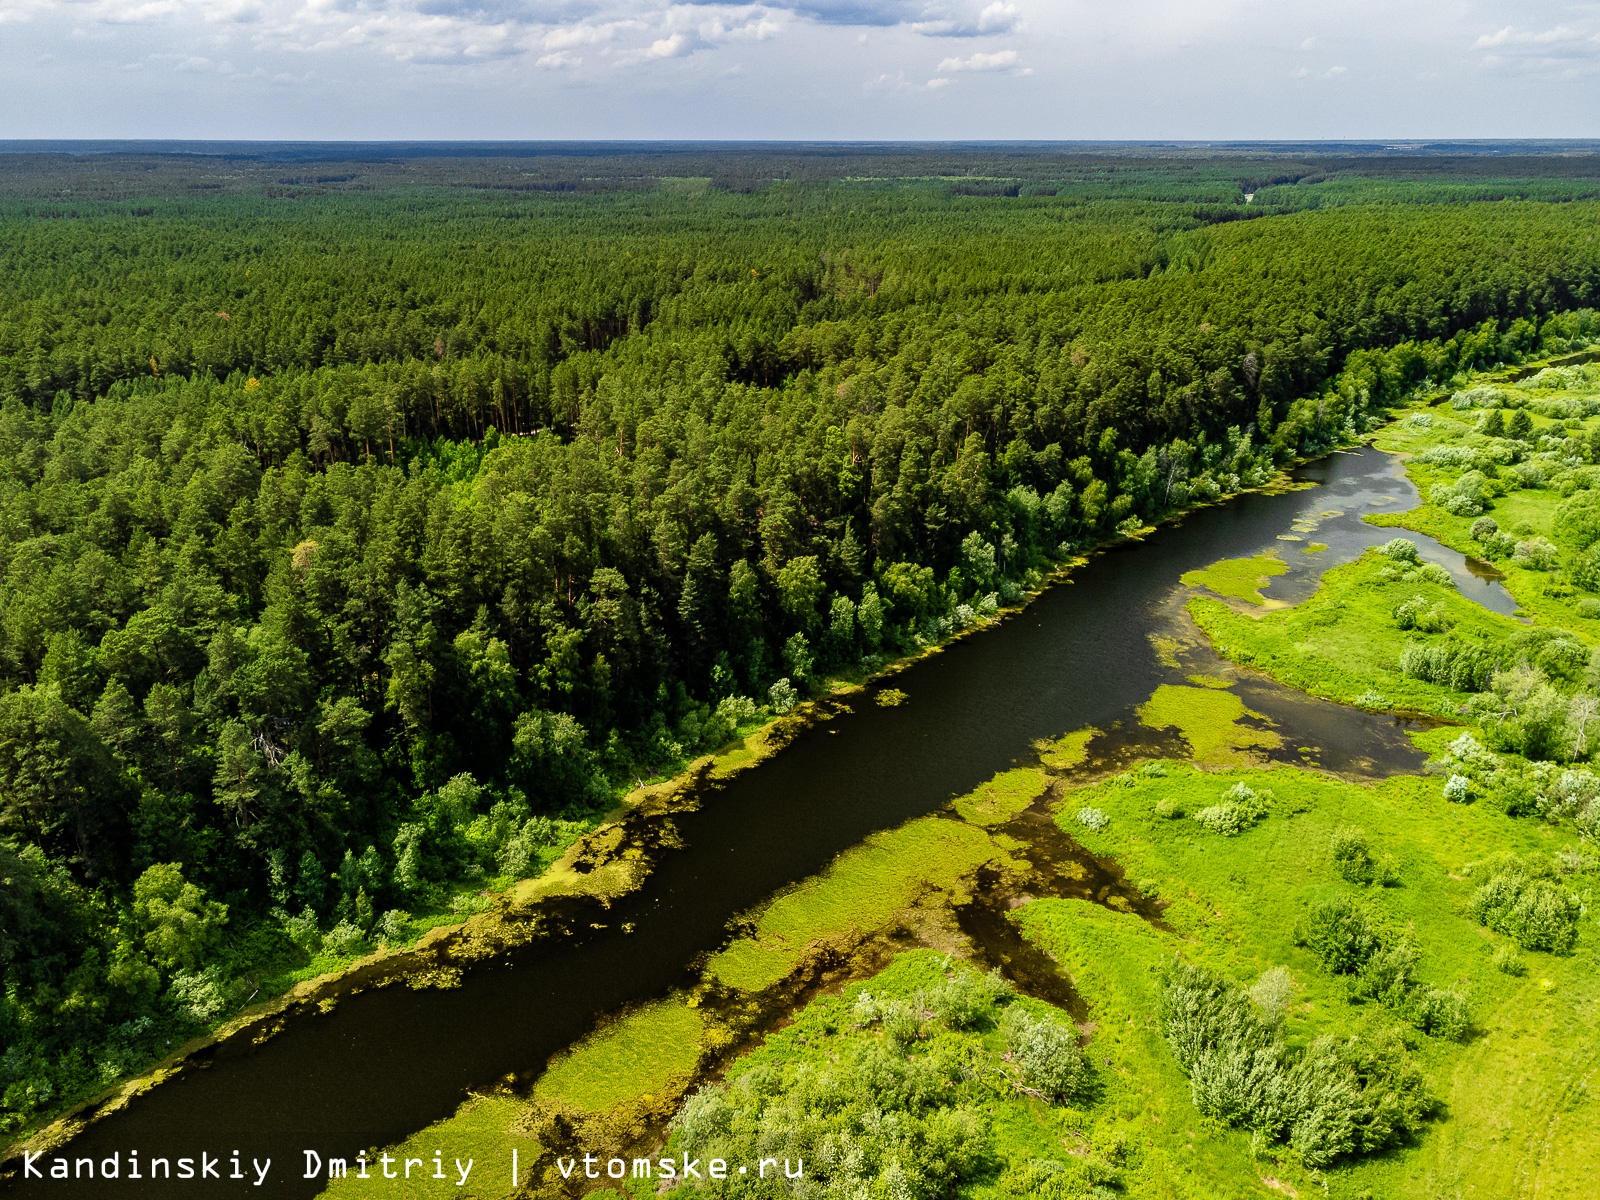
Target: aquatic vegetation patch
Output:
[
  {"x": 1210, "y": 720},
  {"x": 858, "y": 895},
  {"x": 477, "y": 1138},
  {"x": 1238, "y": 578},
  {"x": 1003, "y": 797},
  {"x": 1066, "y": 752},
  {"x": 640, "y": 1053}
]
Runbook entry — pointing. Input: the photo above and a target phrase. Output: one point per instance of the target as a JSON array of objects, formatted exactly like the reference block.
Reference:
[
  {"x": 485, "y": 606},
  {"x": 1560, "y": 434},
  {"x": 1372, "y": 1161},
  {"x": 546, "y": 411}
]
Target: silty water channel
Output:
[{"x": 387, "y": 1061}]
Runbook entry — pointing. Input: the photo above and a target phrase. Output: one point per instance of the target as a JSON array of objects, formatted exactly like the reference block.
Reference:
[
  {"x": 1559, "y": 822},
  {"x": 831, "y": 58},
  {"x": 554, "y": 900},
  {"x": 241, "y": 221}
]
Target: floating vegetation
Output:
[
  {"x": 1210, "y": 720},
  {"x": 1238, "y": 578}
]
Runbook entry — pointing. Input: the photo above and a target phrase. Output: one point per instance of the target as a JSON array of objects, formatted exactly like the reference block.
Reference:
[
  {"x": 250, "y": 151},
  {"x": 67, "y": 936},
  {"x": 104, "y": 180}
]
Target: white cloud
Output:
[
  {"x": 1513, "y": 37},
  {"x": 675, "y": 46},
  {"x": 1560, "y": 49},
  {"x": 999, "y": 17},
  {"x": 998, "y": 60},
  {"x": 799, "y": 68}
]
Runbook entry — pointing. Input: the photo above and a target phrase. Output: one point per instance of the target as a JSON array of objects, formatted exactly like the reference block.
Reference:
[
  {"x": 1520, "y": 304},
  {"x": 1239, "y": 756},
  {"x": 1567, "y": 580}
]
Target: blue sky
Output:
[{"x": 1202, "y": 69}]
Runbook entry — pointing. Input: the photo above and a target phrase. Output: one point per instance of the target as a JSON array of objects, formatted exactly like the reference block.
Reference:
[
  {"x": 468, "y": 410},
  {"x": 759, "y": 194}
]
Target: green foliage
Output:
[
  {"x": 1047, "y": 1056},
  {"x": 877, "y": 1102},
  {"x": 1241, "y": 807},
  {"x": 173, "y": 919},
  {"x": 1339, "y": 933},
  {"x": 1337, "y": 1099},
  {"x": 332, "y": 576},
  {"x": 1535, "y": 912}
]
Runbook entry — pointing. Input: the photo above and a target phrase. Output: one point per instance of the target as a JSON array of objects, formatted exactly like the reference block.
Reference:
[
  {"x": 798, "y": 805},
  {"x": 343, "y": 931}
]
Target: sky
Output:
[{"x": 809, "y": 69}]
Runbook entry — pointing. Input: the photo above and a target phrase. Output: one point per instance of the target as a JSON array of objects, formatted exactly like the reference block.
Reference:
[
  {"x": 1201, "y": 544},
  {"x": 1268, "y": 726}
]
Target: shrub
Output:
[
  {"x": 1483, "y": 527},
  {"x": 1334, "y": 1100},
  {"x": 1435, "y": 574},
  {"x": 901, "y": 1024},
  {"x": 1352, "y": 857},
  {"x": 344, "y": 939},
  {"x": 1167, "y": 809},
  {"x": 1401, "y": 550},
  {"x": 519, "y": 857},
  {"x": 1458, "y": 789},
  {"x": 303, "y": 930},
  {"x": 1046, "y": 1055},
  {"x": 1272, "y": 993},
  {"x": 1441, "y": 1013},
  {"x": 1387, "y": 974},
  {"x": 1416, "y": 613},
  {"x": 782, "y": 696},
  {"x": 1241, "y": 808},
  {"x": 1508, "y": 962},
  {"x": 1578, "y": 520},
  {"x": 393, "y": 926},
  {"x": 200, "y": 997},
  {"x": 968, "y": 999},
  {"x": 1339, "y": 933},
  {"x": 1535, "y": 913},
  {"x": 1536, "y": 554},
  {"x": 1451, "y": 663},
  {"x": 1093, "y": 818}
]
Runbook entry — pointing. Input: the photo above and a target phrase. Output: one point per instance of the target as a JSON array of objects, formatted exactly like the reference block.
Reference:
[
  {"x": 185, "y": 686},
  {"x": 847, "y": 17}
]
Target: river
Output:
[{"x": 391, "y": 1060}]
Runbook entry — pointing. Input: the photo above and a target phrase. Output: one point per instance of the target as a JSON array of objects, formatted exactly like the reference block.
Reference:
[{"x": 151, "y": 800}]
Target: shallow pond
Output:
[{"x": 388, "y": 1061}]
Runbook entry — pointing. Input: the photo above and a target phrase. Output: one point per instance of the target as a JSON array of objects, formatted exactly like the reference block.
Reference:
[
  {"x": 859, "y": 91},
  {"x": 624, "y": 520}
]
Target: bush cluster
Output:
[
  {"x": 896, "y": 1103},
  {"x": 1381, "y": 967},
  {"x": 1241, "y": 808},
  {"x": 1527, "y": 906},
  {"x": 1336, "y": 1099}
]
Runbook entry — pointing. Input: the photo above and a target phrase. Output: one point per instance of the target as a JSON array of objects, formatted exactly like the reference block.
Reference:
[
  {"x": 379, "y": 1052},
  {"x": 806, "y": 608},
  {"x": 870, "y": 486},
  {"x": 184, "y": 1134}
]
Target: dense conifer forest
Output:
[{"x": 365, "y": 532}]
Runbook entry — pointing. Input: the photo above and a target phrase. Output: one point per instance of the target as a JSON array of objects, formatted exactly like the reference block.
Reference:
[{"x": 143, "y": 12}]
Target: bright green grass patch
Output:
[
  {"x": 481, "y": 1132},
  {"x": 1115, "y": 961},
  {"x": 1516, "y": 1102},
  {"x": 1066, "y": 752},
  {"x": 1003, "y": 797},
  {"x": 1238, "y": 578},
  {"x": 639, "y": 1054},
  {"x": 858, "y": 895},
  {"x": 1208, "y": 719},
  {"x": 1313, "y": 547},
  {"x": 1344, "y": 643}
]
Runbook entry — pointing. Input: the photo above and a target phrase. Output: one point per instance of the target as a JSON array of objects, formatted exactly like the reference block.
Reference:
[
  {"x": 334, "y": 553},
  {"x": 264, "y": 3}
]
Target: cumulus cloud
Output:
[{"x": 1007, "y": 61}]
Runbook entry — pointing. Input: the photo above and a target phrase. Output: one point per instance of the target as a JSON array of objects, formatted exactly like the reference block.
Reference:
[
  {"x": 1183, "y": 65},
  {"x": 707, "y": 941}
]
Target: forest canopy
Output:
[{"x": 354, "y": 545}]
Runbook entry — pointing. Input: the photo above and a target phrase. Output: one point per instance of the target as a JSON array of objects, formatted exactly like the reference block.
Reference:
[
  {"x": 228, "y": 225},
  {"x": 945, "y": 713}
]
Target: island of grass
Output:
[{"x": 1238, "y": 578}]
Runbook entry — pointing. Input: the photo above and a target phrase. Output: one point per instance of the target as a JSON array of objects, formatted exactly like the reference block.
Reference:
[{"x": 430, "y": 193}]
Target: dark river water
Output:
[{"x": 386, "y": 1062}]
